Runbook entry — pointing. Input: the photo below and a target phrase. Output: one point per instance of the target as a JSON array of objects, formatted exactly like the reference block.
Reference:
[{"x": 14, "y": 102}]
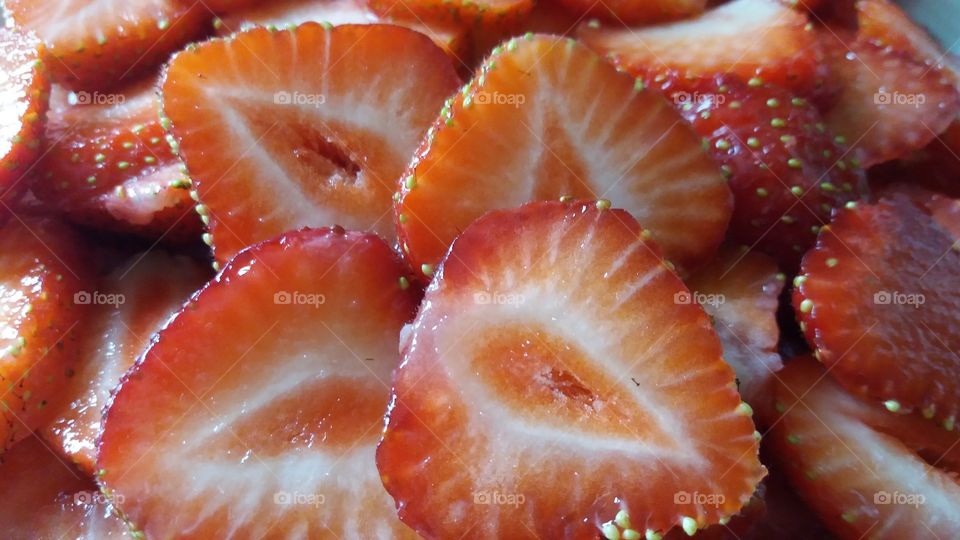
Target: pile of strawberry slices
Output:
[{"x": 485, "y": 269}]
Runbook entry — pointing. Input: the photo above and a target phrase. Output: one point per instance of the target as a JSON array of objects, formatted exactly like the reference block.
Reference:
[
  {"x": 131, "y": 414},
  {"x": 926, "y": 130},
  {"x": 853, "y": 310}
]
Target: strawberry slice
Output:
[
  {"x": 890, "y": 103},
  {"x": 129, "y": 306},
  {"x": 23, "y": 98},
  {"x": 482, "y": 14},
  {"x": 548, "y": 369},
  {"x": 277, "y": 376},
  {"x": 107, "y": 164},
  {"x": 785, "y": 170},
  {"x": 935, "y": 167},
  {"x": 227, "y": 6},
  {"x": 760, "y": 40},
  {"x": 860, "y": 467},
  {"x": 521, "y": 131},
  {"x": 637, "y": 11},
  {"x": 271, "y": 150},
  {"x": 282, "y": 13},
  {"x": 43, "y": 275},
  {"x": 740, "y": 290},
  {"x": 883, "y": 284},
  {"x": 96, "y": 43},
  {"x": 43, "y": 497}
]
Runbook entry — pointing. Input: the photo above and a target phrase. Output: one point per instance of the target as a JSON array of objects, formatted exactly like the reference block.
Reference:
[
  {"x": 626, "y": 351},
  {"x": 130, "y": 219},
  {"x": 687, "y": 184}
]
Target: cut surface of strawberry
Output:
[
  {"x": 271, "y": 150},
  {"x": 108, "y": 164},
  {"x": 277, "y": 376},
  {"x": 740, "y": 290},
  {"x": 129, "y": 306},
  {"x": 24, "y": 91},
  {"x": 890, "y": 102},
  {"x": 449, "y": 37},
  {"x": 44, "y": 498},
  {"x": 785, "y": 170},
  {"x": 483, "y": 14},
  {"x": 546, "y": 118},
  {"x": 750, "y": 39},
  {"x": 550, "y": 364},
  {"x": 867, "y": 473},
  {"x": 883, "y": 283},
  {"x": 93, "y": 44},
  {"x": 42, "y": 278},
  {"x": 637, "y": 11}
]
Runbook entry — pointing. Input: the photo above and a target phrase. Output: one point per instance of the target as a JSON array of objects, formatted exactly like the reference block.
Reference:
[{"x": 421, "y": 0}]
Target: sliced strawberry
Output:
[
  {"x": 785, "y": 170},
  {"x": 130, "y": 305},
  {"x": 96, "y": 43},
  {"x": 751, "y": 39},
  {"x": 858, "y": 465},
  {"x": 935, "y": 167},
  {"x": 883, "y": 284},
  {"x": 108, "y": 165},
  {"x": 484, "y": 14},
  {"x": 885, "y": 24},
  {"x": 44, "y": 497},
  {"x": 43, "y": 276},
  {"x": 890, "y": 103},
  {"x": 271, "y": 150},
  {"x": 277, "y": 375},
  {"x": 740, "y": 290},
  {"x": 227, "y": 6},
  {"x": 23, "y": 98},
  {"x": 637, "y": 11},
  {"x": 282, "y": 13},
  {"x": 536, "y": 124},
  {"x": 548, "y": 370},
  {"x": 946, "y": 212}
]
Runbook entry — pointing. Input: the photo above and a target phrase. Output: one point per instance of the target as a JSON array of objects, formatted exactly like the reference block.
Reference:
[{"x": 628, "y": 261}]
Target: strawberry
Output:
[
  {"x": 271, "y": 150},
  {"x": 43, "y": 275},
  {"x": 549, "y": 369},
  {"x": 535, "y": 124},
  {"x": 281, "y": 13},
  {"x": 43, "y": 497},
  {"x": 637, "y": 11},
  {"x": 107, "y": 164},
  {"x": 481, "y": 14},
  {"x": 866, "y": 472},
  {"x": 277, "y": 376},
  {"x": 785, "y": 171},
  {"x": 890, "y": 103},
  {"x": 934, "y": 167},
  {"x": 227, "y": 6},
  {"x": 740, "y": 290},
  {"x": 131, "y": 304},
  {"x": 883, "y": 23},
  {"x": 23, "y": 98},
  {"x": 749, "y": 39},
  {"x": 96, "y": 43},
  {"x": 946, "y": 212},
  {"x": 883, "y": 284}
]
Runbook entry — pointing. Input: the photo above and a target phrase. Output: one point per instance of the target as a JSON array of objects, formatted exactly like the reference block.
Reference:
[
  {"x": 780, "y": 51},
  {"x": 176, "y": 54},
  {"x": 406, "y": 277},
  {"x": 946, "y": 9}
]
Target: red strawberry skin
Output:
[
  {"x": 24, "y": 94},
  {"x": 881, "y": 285},
  {"x": 786, "y": 172},
  {"x": 504, "y": 414},
  {"x": 108, "y": 164}
]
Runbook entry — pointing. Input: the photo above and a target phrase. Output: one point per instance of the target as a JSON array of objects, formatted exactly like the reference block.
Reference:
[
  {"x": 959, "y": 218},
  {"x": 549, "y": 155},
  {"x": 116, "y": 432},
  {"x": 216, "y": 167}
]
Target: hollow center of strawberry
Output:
[{"x": 547, "y": 379}]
